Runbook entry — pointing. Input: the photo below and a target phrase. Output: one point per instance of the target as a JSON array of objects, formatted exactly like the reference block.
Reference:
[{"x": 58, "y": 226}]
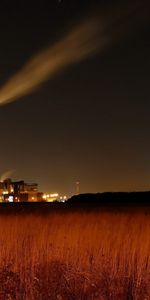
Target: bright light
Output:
[
  {"x": 50, "y": 197},
  {"x": 50, "y": 200},
  {"x": 10, "y": 199},
  {"x": 32, "y": 198},
  {"x": 65, "y": 197},
  {"x": 54, "y": 195},
  {"x": 5, "y": 192}
]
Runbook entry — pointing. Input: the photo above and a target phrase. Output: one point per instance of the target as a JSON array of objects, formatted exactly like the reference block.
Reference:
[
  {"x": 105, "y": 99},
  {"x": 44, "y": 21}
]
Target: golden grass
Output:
[{"x": 75, "y": 256}]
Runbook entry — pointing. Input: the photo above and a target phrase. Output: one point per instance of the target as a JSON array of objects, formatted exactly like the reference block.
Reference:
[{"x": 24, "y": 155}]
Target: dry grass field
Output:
[{"x": 73, "y": 255}]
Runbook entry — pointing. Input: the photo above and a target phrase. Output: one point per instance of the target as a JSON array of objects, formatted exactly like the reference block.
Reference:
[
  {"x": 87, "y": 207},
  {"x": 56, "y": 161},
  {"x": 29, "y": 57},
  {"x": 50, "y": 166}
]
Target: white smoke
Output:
[{"x": 83, "y": 41}]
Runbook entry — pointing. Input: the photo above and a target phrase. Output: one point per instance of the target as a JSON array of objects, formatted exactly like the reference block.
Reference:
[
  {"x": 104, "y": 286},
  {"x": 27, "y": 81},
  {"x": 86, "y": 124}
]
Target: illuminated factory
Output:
[{"x": 19, "y": 191}]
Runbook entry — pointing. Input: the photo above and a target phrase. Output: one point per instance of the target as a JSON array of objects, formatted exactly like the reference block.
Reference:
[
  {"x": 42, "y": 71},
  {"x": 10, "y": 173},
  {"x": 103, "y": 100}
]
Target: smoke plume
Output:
[
  {"x": 76, "y": 46},
  {"x": 83, "y": 41},
  {"x": 6, "y": 175}
]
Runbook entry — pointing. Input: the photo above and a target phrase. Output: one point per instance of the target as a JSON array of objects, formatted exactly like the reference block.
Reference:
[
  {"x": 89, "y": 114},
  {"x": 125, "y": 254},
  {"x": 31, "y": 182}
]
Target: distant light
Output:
[
  {"x": 10, "y": 199},
  {"x": 54, "y": 195},
  {"x": 50, "y": 197},
  {"x": 5, "y": 192},
  {"x": 32, "y": 198},
  {"x": 50, "y": 200},
  {"x": 65, "y": 197}
]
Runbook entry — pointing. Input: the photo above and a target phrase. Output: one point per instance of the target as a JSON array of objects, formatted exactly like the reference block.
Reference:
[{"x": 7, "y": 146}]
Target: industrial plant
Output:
[{"x": 20, "y": 191}]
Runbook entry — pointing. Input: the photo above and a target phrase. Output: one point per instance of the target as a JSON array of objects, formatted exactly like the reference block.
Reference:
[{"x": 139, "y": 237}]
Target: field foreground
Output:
[{"x": 75, "y": 255}]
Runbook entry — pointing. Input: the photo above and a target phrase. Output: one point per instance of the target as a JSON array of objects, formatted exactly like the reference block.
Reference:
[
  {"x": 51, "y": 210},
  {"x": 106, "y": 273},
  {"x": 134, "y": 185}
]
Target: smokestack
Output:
[{"x": 77, "y": 187}]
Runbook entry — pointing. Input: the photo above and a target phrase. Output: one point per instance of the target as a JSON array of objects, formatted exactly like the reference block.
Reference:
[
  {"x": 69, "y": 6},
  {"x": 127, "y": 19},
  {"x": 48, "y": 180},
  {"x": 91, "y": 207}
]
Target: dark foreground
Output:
[
  {"x": 94, "y": 247},
  {"x": 85, "y": 202}
]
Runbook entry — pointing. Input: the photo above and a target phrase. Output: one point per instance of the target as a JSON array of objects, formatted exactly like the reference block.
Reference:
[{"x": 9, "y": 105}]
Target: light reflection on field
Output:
[{"x": 87, "y": 255}]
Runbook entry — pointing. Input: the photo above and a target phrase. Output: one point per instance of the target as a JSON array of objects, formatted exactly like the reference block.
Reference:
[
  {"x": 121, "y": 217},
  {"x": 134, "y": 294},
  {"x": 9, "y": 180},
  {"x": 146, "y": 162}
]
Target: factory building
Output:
[{"x": 19, "y": 191}]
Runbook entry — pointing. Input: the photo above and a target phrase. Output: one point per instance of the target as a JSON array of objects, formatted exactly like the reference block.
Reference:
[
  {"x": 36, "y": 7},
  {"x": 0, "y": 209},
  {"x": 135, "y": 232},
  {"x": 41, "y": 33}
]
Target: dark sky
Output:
[{"x": 89, "y": 123}]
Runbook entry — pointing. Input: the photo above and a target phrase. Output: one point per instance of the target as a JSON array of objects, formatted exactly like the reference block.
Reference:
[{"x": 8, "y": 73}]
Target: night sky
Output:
[{"x": 91, "y": 121}]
